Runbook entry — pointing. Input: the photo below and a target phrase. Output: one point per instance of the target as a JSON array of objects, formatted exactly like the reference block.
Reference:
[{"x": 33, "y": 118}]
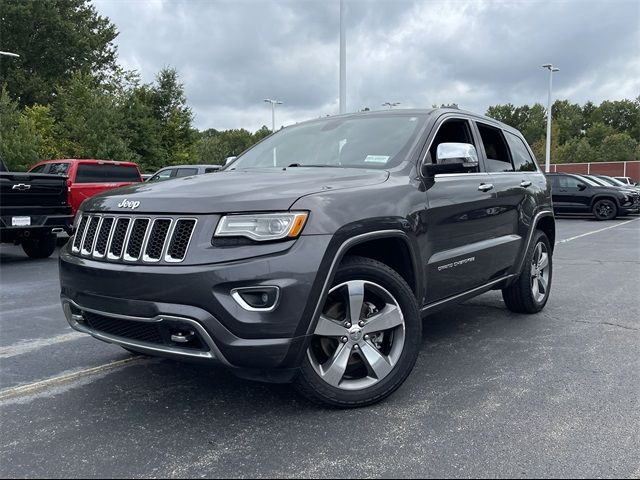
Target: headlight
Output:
[
  {"x": 625, "y": 198},
  {"x": 262, "y": 226}
]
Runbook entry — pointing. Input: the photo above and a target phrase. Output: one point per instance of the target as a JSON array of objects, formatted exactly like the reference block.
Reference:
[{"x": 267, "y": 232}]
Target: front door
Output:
[{"x": 458, "y": 221}]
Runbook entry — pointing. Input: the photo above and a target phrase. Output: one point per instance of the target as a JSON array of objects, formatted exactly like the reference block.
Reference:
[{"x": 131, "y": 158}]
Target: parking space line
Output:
[
  {"x": 597, "y": 231},
  {"x": 30, "y": 346},
  {"x": 32, "y": 388}
]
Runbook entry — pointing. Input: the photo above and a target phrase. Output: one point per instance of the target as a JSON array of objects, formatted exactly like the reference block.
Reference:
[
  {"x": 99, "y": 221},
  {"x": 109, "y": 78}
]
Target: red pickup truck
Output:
[{"x": 86, "y": 178}]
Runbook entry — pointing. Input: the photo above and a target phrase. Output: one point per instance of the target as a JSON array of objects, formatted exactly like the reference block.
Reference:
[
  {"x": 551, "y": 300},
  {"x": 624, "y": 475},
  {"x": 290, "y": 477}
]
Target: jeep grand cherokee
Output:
[{"x": 312, "y": 257}]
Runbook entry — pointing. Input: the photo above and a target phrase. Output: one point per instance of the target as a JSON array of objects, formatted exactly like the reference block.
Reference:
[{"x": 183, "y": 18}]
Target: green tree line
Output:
[
  {"x": 66, "y": 96},
  {"x": 607, "y": 132}
]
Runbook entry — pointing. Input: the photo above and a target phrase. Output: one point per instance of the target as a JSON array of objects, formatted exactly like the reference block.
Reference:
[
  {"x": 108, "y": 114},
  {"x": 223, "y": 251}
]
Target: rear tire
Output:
[
  {"x": 40, "y": 247},
  {"x": 360, "y": 358},
  {"x": 605, "y": 209},
  {"x": 530, "y": 292}
]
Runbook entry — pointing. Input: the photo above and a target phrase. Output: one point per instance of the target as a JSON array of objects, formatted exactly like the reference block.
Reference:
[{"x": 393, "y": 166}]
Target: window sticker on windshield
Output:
[{"x": 377, "y": 158}]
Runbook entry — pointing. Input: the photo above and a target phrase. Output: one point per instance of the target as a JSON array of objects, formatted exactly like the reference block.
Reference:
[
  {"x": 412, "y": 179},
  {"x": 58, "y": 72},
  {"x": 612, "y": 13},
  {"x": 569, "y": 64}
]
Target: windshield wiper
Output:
[{"x": 312, "y": 165}]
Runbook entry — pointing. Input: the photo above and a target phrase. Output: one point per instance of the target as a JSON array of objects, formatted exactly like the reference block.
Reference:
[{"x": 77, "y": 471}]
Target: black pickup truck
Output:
[{"x": 33, "y": 209}]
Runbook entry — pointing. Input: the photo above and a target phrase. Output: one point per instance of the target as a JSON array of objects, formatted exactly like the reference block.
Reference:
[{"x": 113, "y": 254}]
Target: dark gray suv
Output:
[{"x": 313, "y": 256}]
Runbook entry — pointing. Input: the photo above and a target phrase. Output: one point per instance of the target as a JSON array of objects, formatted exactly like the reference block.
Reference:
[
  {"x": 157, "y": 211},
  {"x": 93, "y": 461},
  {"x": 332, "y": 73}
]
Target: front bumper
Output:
[{"x": 251, "y": 342}]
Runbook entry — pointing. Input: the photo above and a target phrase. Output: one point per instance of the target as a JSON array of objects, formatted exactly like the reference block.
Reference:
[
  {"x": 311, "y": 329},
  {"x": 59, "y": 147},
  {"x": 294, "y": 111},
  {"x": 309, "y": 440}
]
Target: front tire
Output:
[
  {"x": 530, "y": 292},
  {"x": 40, "y": 247},
  {"x": 367, "y": 338},
  {"x": 605, "y": 209}
]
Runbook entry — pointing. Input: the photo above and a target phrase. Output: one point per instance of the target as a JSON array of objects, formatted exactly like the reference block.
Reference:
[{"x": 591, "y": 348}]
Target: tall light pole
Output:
[
  {"x": 547, "y": 158},
  {"x": 273, "y": 112},
  {"x": 9, "y": 54},
  {"x": 343, "y": 60},
  {"x": 390, "y": 104}
]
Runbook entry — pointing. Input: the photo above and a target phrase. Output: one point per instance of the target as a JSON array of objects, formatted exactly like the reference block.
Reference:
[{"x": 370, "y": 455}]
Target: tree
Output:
[
  {"x": 18, "y": 139},
  {"x": 90, "y": 121},
  {"x": 170, "y": 109},
  {"x": 43, "y": 123},
  {"x": 597, "y": 132},
  {"x": 54, "y": 39},
  {"x": 618, "y": 147}
]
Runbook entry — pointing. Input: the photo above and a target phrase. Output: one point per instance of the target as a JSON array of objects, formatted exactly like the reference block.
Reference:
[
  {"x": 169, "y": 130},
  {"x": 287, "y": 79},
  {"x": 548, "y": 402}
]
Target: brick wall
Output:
[{"x": 612, "y": 169}]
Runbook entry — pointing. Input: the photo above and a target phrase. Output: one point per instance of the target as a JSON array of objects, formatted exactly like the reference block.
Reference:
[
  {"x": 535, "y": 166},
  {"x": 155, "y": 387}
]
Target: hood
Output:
[{"x": 232, "y": 191}]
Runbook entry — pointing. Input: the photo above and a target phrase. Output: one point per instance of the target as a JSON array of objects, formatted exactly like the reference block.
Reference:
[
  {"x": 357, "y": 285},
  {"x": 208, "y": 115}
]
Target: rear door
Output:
[
  {"x": 516, "y": 179},
  {"x": 186, "y": 172},
  {"x": 459, "y": 220},
  {"x": 92, "y": 178}
]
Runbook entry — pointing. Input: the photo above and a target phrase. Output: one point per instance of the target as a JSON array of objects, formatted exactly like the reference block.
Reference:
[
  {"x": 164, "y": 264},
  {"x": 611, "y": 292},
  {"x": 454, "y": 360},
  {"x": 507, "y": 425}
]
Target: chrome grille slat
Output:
[
  {"x": 90, "y": 235},
  {"x": 132, "y": 239},
  {"x": 136, "y": 240},
  {"x": 79, "y": 235}
]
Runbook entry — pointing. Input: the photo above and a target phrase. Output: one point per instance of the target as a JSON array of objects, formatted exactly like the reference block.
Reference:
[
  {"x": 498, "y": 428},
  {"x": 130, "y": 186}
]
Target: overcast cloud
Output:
[{"x": 233, "y": 54}]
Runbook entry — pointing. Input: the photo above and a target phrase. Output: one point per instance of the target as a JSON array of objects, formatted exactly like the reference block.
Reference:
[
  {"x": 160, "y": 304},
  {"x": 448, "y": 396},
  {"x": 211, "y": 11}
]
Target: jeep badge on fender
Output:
[{"x": 313, "y": 256}]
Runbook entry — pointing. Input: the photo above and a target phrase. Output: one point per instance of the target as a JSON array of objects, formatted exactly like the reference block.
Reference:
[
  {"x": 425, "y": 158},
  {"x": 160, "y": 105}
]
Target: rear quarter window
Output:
[
  {"x": 522, "y": 159},
  {"x": 106, "y": 173}
]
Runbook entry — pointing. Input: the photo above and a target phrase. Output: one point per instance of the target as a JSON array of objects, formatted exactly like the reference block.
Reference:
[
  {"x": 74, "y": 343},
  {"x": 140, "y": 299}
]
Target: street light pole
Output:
[
  {"x": 547, "y": 158},
  {"x": 9, "y": 54},
  {"x": 343, "y": 60},
  {"x": 273, "y": 112}
]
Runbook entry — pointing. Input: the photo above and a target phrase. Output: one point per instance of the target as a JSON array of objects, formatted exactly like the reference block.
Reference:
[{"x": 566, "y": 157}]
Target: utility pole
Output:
[
  {"x": 343, "y": 60},
  {"x": 273, "y": 112},
  {"x": 547, "y": 157}
]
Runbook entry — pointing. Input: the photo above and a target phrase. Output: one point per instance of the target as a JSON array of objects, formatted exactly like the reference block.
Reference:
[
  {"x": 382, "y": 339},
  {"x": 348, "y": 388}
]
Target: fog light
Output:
[{"x": 257, "y": 299}]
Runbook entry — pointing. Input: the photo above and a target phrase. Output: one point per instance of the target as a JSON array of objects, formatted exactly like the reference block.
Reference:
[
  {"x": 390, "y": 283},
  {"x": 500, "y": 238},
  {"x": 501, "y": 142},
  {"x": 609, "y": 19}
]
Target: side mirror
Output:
[
  {"x": 581, "y": 186},
  {"x": 228, "y": 160},
  {"x": 452, "y": 158}
]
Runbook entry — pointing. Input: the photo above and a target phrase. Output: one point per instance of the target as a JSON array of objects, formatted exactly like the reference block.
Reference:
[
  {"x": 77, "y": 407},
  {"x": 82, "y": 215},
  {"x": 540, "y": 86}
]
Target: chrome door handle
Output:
[
  {"x": 485, "y": 187},
  {"x": 525, "y": 183}
]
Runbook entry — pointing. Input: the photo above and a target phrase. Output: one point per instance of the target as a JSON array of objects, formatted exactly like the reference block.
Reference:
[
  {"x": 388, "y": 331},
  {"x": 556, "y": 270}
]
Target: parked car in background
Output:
[
  {"x": 614, "y": 182},
  {"x": 627, "y": 180},
  {"x": 86, "y": 178},
  {"x": 178, "y": 171},
  {"x": 33, "y": 209},
  {"x": 574, "y": 193}
]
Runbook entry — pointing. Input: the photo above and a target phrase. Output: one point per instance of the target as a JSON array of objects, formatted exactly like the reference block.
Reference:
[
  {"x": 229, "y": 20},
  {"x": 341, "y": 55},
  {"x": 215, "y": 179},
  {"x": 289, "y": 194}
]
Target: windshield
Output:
[
  {"x": 588, "y": 181},
  {"x": 369, "y": 141},
  {"x": 613, "y": 181}
]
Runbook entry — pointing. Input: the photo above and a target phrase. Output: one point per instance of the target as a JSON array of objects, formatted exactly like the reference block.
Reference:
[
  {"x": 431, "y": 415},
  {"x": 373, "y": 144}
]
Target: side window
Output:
[
  {"x": 452, "y": 131},
  {"x": 498, "y": 158},
  {"x": 163, "y": 175},
  {"x": 39, "y": 168},
  {"x": 186, "y": 172},
  {"x": 211, "y": 170},
  {"x": 59, "y": 168},
  {"x": 565, "y": 181},
  {"x": 522, "y": 159}
]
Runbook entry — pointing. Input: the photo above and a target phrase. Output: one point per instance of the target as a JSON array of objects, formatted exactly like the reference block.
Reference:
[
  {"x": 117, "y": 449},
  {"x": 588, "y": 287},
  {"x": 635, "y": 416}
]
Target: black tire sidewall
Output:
[
  {"x": 614, "y": 209},
  {"x": 357, "y": 268}
]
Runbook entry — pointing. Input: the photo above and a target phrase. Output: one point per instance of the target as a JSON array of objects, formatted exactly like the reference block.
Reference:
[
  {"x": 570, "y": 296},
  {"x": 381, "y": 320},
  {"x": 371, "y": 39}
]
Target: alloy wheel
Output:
[
  {"x": 360, "y": 336},
  {"x": 540, "y": 272}
]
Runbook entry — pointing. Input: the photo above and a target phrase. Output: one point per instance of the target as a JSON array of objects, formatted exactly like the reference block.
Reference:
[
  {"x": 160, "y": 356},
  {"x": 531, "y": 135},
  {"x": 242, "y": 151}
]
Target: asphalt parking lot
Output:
[{"x": 493, "y": 394}]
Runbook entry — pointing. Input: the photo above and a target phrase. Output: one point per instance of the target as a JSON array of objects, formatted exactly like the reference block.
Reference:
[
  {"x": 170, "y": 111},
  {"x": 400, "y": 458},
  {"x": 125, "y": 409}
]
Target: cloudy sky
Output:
[{"x": 232, "y": 54}]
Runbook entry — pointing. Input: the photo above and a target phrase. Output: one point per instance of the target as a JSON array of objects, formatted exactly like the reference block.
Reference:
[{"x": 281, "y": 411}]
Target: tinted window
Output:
[
  {"x": 186, "y": 172},
  {"x": 105, "y": 173},
  {"x": 452, "y": 131},
  {"x": 522, "y": 159},
  {"x": 163, "y": 175},
  {"x": 38, "y": 169},
  {"x": 211, "y": 170},
  {"x": 59, "y": 168},
  {"x": 498, "y": 159},
  {"x": 565, "y": 181}
]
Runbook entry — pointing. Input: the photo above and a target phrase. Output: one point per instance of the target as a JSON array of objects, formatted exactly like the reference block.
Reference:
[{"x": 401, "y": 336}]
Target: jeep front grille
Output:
[{"x": 133, "y": 239}]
